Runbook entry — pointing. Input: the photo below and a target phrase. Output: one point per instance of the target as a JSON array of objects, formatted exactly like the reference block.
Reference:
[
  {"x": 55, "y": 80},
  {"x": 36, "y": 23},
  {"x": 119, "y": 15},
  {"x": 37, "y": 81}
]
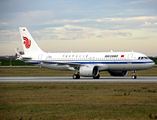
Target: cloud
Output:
[
  {"x": 147, "y": 24},
  {"x": 106, "y": 23},
  {"x": 9, "y": 35},
  {"x": 72, "y": 32},
  {"x": 106, "y": 34},
  {"x": 66, "y": 21},
  {"x": 134, "y": 18},
  {"x": 93, "y": 21},
  {"x": 139, "y": 1},
  {"x": 3, "y": 23},
  {"x": 29, "y": 18},
  {"x": 67, "y": 32},
  {"x": 76, "y": 29}
]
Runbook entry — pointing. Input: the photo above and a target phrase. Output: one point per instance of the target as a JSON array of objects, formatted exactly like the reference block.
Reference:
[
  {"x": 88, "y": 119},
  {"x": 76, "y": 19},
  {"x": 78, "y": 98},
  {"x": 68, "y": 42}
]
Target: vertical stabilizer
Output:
[{"x": 28, "y": 43}]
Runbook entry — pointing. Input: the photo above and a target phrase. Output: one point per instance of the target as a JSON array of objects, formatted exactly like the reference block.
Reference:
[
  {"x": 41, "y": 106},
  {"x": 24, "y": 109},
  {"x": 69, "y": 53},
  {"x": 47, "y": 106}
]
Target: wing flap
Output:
[{"x": 62, "y": 63}]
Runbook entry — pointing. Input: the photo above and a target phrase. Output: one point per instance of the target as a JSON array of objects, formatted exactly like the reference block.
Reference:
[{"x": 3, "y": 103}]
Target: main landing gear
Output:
[
  {"x": 96, "y": 77},
  {"x": 76, "y": 76},
  {"x": 133, "y": 74}
]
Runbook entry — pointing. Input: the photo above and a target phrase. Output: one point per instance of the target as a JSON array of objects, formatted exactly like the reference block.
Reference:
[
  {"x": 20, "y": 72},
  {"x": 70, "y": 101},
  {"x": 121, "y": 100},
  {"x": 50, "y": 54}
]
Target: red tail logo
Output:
[{"x": 27, "y": 42}]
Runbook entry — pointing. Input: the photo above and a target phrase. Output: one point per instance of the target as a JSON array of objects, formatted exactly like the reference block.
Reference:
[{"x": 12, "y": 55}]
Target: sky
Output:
[{"x": 80, "y": 25}]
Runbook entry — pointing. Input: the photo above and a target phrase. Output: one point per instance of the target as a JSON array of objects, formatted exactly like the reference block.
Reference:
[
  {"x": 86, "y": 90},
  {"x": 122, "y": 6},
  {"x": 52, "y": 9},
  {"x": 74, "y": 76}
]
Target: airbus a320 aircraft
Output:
[{"x": 86, "y": 64}]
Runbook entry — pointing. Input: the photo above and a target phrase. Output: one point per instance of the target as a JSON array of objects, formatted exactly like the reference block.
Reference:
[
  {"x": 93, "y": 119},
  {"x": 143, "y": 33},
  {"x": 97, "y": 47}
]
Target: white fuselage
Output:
[{"x": 105, "y": 60}]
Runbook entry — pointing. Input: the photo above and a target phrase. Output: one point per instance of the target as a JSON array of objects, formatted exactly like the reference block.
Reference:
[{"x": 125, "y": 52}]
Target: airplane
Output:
[{"x": 85, "y": 64}]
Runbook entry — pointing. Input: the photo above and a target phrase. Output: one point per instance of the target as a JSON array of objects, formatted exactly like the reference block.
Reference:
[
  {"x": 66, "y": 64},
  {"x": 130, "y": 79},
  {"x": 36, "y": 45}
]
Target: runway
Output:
[{"x": 103, "y": 79}]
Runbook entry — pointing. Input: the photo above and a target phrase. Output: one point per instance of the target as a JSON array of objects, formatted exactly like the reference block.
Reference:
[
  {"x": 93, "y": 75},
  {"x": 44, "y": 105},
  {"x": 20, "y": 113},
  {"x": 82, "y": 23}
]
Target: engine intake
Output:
[
  {"x": 118, "y": 73},
  {"x": 89, "y": 71}
]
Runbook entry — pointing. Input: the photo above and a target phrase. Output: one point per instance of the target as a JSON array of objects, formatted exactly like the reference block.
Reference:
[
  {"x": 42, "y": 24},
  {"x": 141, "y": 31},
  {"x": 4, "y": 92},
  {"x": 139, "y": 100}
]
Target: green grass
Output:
[
  {"x": 35, "y": 71},
  {"x": 13, "y": 63},
  {"x": 48, "y": 101}
]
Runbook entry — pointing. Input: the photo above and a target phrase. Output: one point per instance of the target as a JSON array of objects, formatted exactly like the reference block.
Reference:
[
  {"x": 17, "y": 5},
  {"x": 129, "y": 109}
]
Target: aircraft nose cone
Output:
[{"x": 152, "y": 64}]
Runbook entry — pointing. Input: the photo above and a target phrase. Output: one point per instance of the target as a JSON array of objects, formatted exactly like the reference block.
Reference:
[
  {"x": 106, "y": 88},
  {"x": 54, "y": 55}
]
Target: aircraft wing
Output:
[
  {"x": 70, "y": 66},
  {"x": 61, "y": 63},
  {"x": 74, "y": 66}
]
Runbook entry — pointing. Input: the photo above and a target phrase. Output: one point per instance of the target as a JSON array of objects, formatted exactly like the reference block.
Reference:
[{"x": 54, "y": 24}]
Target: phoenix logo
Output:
[{"x": 27, "y": 42}]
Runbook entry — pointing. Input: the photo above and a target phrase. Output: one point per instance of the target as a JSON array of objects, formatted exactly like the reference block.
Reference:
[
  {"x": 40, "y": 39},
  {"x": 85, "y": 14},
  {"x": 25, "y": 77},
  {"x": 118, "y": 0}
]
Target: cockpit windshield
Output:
[{"x": 141, "y": 58}]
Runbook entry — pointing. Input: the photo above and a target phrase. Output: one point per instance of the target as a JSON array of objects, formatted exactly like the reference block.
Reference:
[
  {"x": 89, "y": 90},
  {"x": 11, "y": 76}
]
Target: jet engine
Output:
[
  {"x": 118, "y": 73},
  {"x": 89, "y": 71}
]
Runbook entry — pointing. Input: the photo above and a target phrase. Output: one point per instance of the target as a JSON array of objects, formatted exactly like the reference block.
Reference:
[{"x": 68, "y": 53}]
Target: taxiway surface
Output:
[{"x": 108, "y": 79}]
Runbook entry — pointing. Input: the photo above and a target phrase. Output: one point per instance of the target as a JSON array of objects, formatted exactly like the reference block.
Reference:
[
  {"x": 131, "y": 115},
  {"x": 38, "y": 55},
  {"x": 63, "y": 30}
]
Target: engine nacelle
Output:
[
  {"x": 118, "y": 73},
  {"x": 89, "y": 71}
]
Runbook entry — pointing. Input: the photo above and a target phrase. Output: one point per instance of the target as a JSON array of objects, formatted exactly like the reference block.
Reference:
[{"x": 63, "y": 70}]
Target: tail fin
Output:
[{"x": 29, "y": 45}]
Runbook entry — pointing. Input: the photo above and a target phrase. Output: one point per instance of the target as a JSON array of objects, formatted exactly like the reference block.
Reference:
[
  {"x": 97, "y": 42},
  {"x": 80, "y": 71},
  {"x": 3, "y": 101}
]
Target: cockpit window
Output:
[{"x": 141, "y": 58}]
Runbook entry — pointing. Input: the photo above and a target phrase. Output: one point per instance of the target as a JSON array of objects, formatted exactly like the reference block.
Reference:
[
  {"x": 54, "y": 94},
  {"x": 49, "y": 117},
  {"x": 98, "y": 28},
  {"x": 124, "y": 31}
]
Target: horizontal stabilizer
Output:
[
  {"x": 18, "y": 54},
  {"x": 22, "y": 57},
  {"x": 26, "y": 57}
]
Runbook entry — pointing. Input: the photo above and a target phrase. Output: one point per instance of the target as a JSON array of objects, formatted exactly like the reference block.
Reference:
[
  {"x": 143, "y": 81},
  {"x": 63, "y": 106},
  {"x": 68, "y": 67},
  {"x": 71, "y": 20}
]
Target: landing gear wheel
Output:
[
  {"x": 134, "y": 77},
  {"x": 76, "y": 76},
  {"x": 96, "y": 77},
  {"x": 133, "y": 74}
]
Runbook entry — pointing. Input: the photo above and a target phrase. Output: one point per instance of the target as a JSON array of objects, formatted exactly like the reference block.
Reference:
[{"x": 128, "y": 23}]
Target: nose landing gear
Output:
[{"x": 133, "y": 74}]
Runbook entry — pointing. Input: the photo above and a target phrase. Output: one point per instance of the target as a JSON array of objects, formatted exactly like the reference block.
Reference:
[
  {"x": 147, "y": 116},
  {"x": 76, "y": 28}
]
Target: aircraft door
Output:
[
  {"x": 40, "y": 57},
  {"x": 130, "y": 58},
  {"x": 92, "y": 59},
  {"x": 48, "y": 58}
]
